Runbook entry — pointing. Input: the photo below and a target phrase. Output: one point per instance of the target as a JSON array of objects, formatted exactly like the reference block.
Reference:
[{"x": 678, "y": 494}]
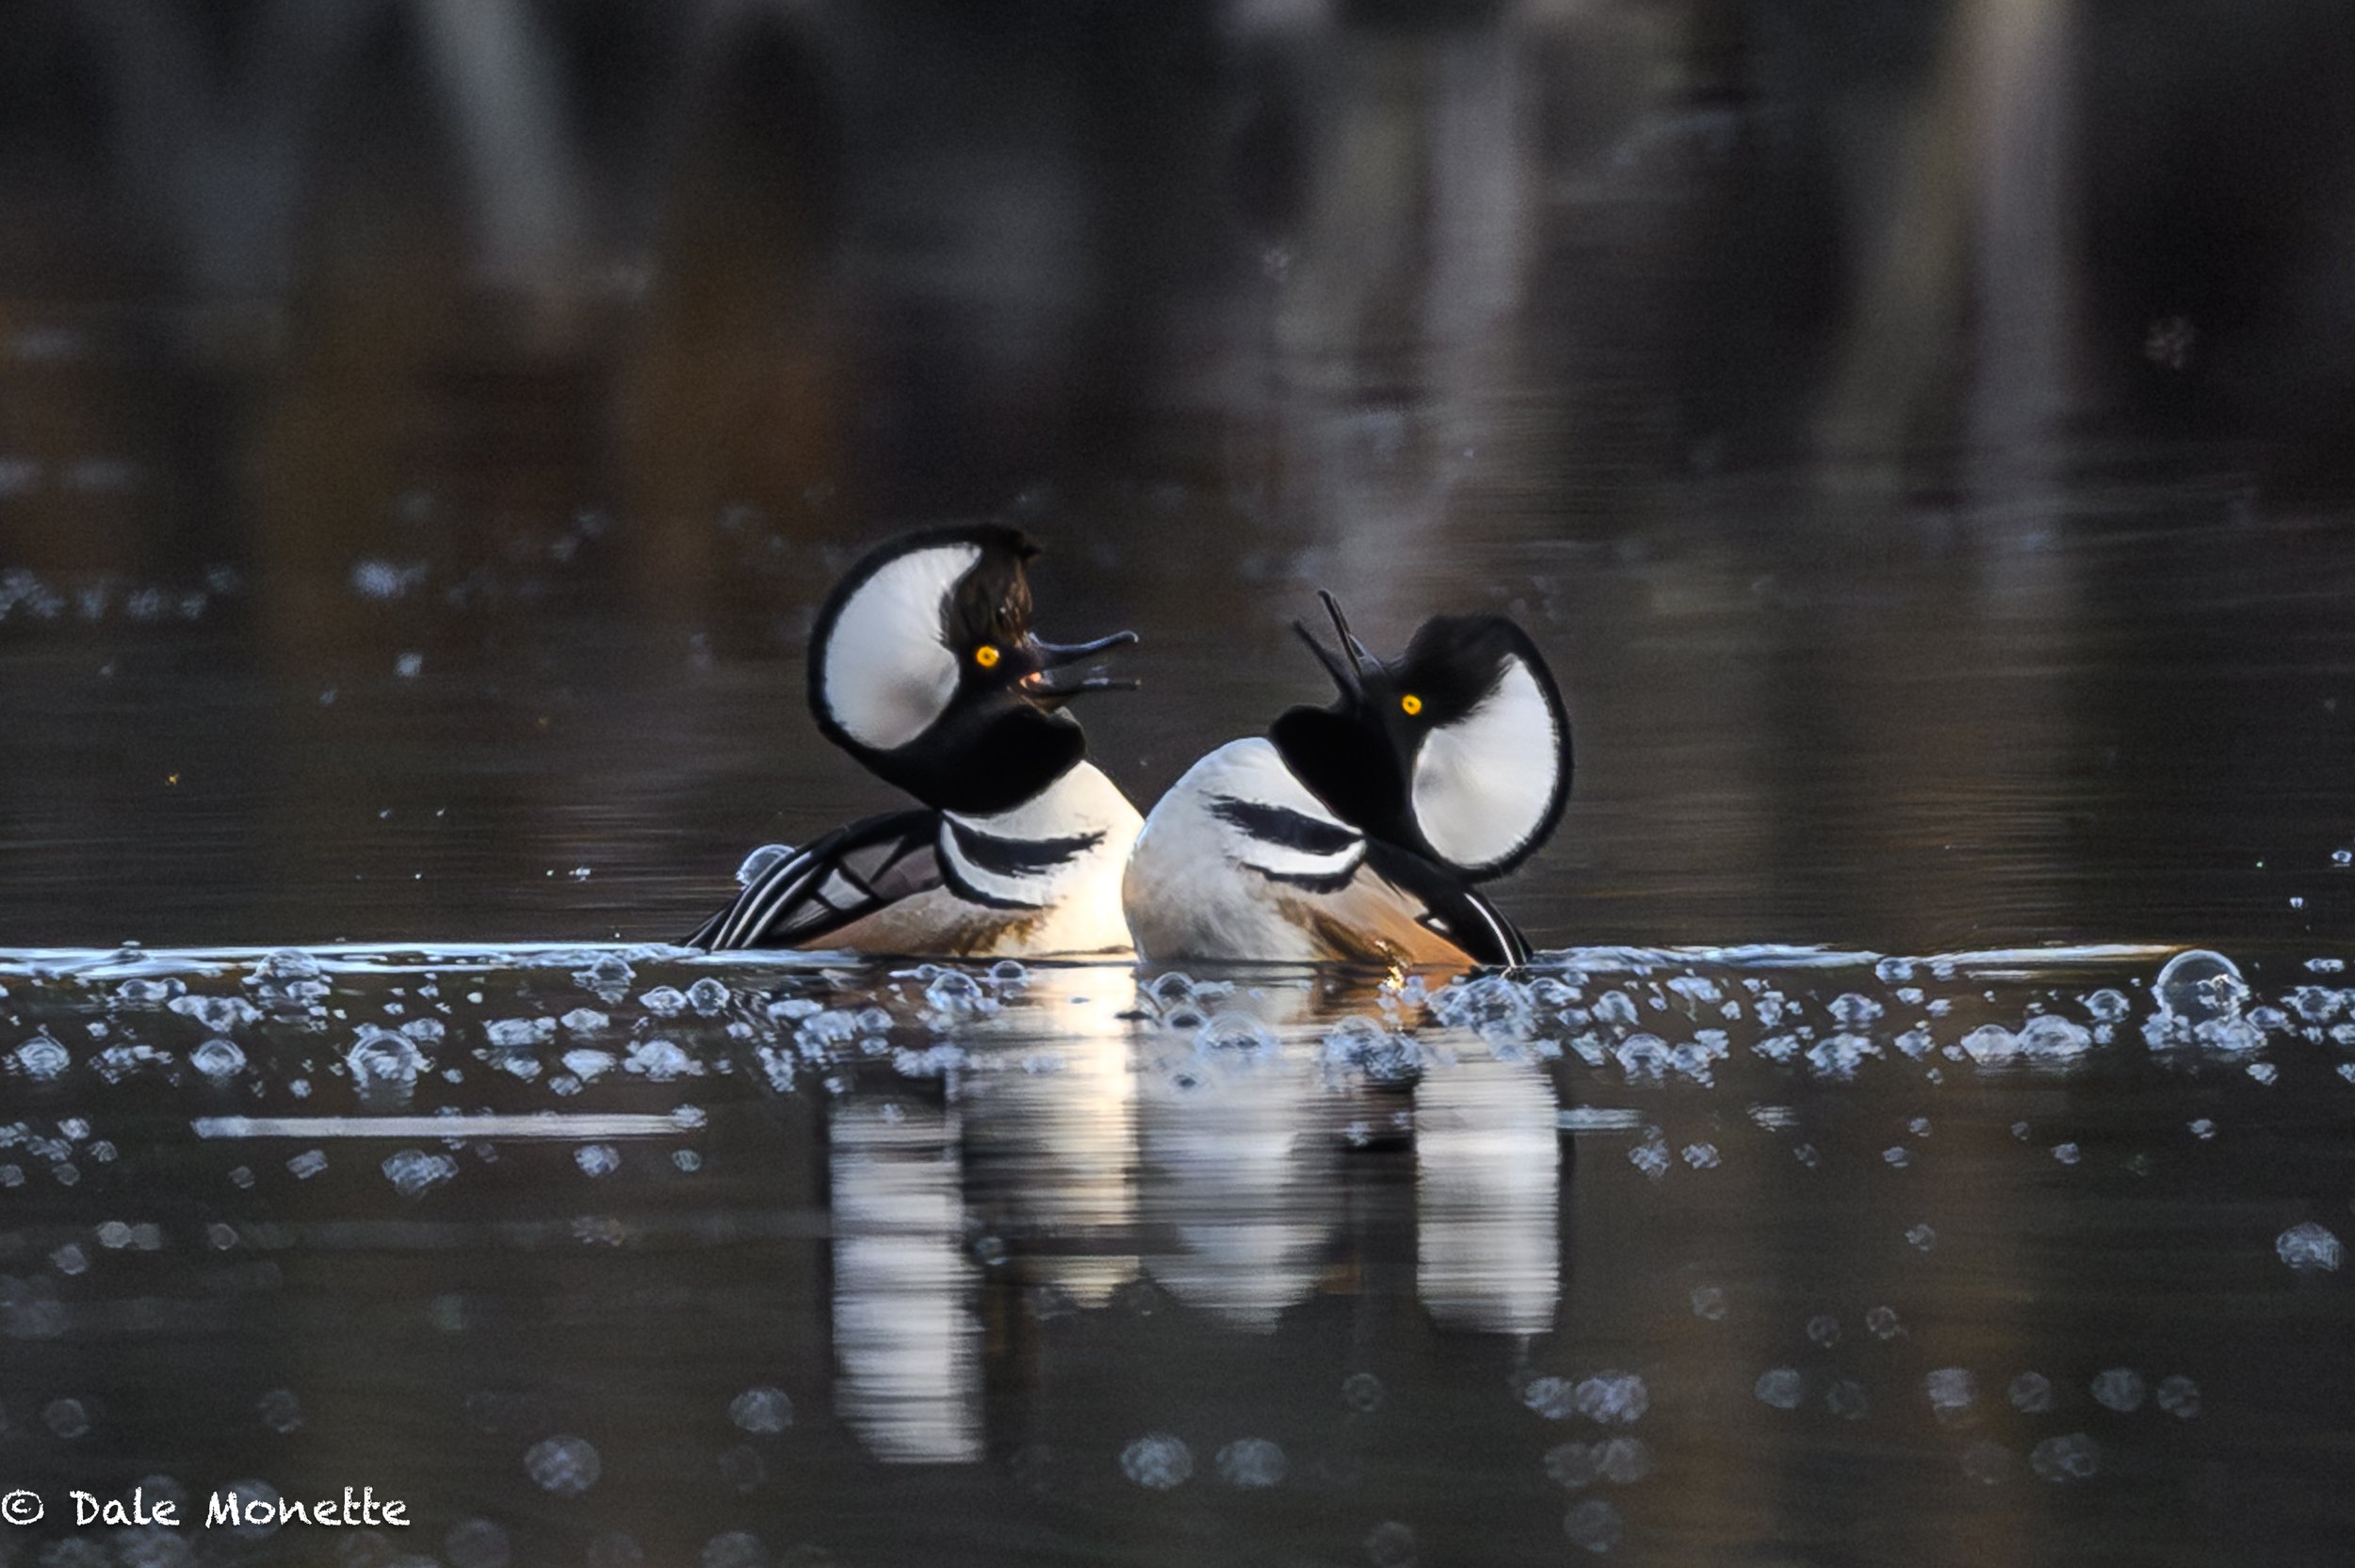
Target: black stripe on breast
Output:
[
  {"x": 1282, "y": 826},
  {"x": 1018, "y": 857}
]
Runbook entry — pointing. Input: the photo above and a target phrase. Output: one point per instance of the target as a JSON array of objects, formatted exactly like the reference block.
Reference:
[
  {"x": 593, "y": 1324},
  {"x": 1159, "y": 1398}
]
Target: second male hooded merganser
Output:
[
  {"x": 924, "y": 667},
  {"x": 1359, "y": 832}
]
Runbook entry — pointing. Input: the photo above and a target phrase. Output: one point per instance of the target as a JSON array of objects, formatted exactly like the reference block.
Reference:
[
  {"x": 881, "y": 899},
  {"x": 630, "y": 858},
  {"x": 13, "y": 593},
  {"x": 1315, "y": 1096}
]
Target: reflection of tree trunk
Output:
[
  {"x": 728, "y": 392},
  {"x": 494, "y": 66},
  {"x": 1977, "y": 224},
  {"x": 2026, "y": 260}
]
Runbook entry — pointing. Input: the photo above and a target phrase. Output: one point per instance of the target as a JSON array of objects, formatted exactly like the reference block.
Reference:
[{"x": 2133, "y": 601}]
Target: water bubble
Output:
[
  {"x": 1643, "y": 1056},
  {"x": 735, "y": 1549},
  {"x": 218, "y": 1014},
  {"x": 1951, "y": 1389},
  {"x": 707, "y": 996},
  {"x": 1839, "y": 1056},
  {"x": 615, "y": 1550},
  {"x": 382, "y": 1057},
  {"x": 585, "y": 1021},
  {"x": 1157, "y": 1461},
  {"x": 608, "y": 976},
  {"x": 1553, "y": 1397},
  {"x": 2031, "y": 1393},
  {"x": 2074, "y": 1456},
  {"x": 1854, "y": 1010},
  {"x": 1361, "y": 1045},
  {"x": 957, "y": 994},
  {"x": 413, "y": 1170},
  {"x": 743, "y": 1468},
  {"x": 1709, "y": 1303},
  {"x": 2107, "y": 1005},
  {"x": 1251, "y": 1462},
  {"x": 567, "y": 1466},
  {"x": 41, "y": 1057},
  {"x": 2310, "y": 1249},
  {"x": 2068, "y": 1154},
  {"x": 1990, "y": 1044},
  {"x": 1890, "y": 970},
  {"x": 145, "y": 993},
  {"x": 1883, "y": 1321},
  {"x": 2178, "y": 1397},
  {"x": 282, "y": 1413},
  {"x": 1612, "y": 1398},
  {"x": 519, "y": 1034},
  {"x": 216, "y": 1058},
  {"x": 1174, "y": 989},
  {"x": 1921, "y": 1237},
  {"x": 477, "y": 1543},
  {"x": 68, "y": 1418},
  {"x": 763, "y": 1411},
  {"x": 1390, "y": 1544},
  {"x": 1594, "y": 1526},
  {"x": 660, "y": 1060},
  {"x": 307, "y": 1164},
  {"x": 1781, "y": 1387},
  {"x": 2119, "y": 1388},
  {"x": 1236, "y": 1034},
  {"x": 664, "y": 1001},
  {"x": 757, "y": 863},
  {"x": 2198, "y": 987},
  {"x": 372, "y": 578},
  {"x": 598, "y": 1160},
  {"x": 1363, "y": 1392},
  {"x": 2049, "y": 1037},
  {"x": 1824, "y": 1329}
]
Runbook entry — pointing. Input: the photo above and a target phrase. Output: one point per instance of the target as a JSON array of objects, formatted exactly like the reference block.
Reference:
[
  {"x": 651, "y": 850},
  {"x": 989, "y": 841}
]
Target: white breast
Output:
[
  {"x": 1198, "y": 885},
  {"x": 1079, "y": 894}
]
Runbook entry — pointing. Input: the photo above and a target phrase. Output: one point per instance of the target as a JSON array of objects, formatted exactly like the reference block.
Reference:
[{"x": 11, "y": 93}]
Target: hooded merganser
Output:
[
  {"x": 1357, "y": 831},
  {"x": 923, "y": 666}
]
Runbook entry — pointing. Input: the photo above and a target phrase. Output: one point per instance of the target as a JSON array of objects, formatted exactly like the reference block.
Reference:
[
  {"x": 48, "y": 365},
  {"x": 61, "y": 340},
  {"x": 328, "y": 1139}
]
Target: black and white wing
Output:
[
  {"x": 847, "y": 875},
  {"x": 1364, "y": 898}
]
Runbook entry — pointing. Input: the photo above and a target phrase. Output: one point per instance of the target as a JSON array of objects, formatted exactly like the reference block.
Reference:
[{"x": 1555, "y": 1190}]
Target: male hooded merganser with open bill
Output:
[
  {"x": 1357, "y": 831},
  {"x": 923, "y": 666}
]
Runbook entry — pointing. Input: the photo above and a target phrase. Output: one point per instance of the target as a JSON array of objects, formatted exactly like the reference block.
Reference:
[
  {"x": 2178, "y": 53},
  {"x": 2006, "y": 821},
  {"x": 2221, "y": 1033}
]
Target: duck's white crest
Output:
[
  {"x": 888, "y": 674},
  {"x": 1483, "y": 783}
]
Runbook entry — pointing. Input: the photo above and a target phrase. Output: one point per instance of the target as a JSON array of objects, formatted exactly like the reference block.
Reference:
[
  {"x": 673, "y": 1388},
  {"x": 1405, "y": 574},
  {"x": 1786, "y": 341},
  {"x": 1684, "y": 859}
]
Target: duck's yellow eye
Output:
[
  {"x": 987, "y": 656},
  {"x": 1411, "y": 704}
]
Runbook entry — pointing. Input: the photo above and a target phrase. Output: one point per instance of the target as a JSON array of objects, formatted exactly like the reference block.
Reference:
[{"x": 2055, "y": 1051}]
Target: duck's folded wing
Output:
[
  {"x": 847, "y": 875},
  {"x": 1396, "y": 893}
]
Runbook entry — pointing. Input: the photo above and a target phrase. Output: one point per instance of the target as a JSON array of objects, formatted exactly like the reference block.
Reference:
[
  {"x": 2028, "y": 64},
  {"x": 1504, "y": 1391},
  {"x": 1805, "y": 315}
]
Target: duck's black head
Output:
[
  {"x": 1458, "y": 750},
  {"x": 924, "y": 667}
]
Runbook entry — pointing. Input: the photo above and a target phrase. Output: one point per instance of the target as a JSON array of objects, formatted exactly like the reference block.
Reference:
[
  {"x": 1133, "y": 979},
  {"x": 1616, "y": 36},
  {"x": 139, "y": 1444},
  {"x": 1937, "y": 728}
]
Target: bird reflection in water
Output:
[
  {"x": 1219, "y": 1139},
  {"x": 905, "y": 1340}
]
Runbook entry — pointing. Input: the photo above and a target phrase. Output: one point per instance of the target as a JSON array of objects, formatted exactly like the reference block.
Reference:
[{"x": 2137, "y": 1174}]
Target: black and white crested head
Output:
[
  {"x": 1458, "y": 750},
  {"x": 924, "y": 667}
]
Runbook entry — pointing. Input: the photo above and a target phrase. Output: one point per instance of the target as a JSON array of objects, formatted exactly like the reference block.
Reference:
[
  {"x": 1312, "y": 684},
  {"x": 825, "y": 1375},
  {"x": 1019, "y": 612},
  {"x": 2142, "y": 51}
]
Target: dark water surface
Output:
[
  {"x": 1755, "y": 1255},
  {"x": 1761, "y": 1255}
]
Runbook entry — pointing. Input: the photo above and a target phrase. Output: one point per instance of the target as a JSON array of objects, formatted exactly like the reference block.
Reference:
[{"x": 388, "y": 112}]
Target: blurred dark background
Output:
[{"x": 1920, "y": 433}]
